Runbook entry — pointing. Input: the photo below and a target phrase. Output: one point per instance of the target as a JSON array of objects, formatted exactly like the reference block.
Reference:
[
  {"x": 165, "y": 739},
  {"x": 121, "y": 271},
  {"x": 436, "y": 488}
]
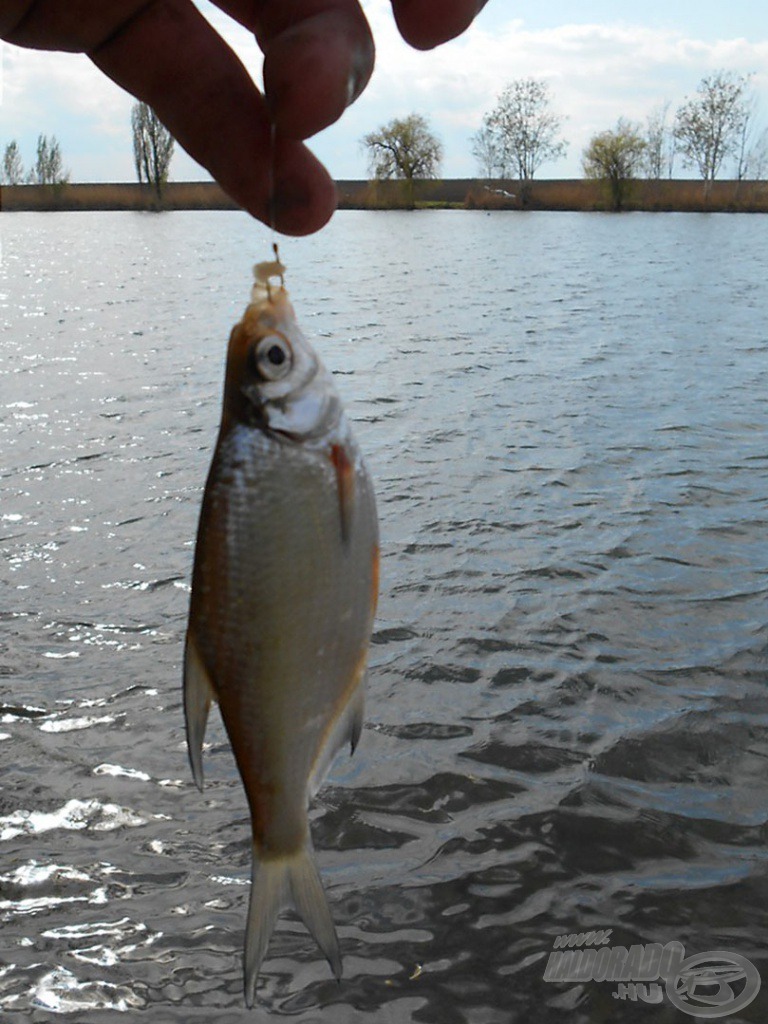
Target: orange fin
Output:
[{"x": 345, "y": 485}]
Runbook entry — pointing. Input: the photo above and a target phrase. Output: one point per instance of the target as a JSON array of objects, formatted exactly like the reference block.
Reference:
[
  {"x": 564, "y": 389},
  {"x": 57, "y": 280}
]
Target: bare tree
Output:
[
  {"x": 709, "y": 127},
  {"x": 524, "y": 129},
  {"x": 153, "y": 147},
  {"x": 404, "y": 148},
  {"x": 615, "y": 156},
  {"x": 659, "y": 144},
  {"x": 488, "y": 152},
  {"x": 13, "y": 168},
  {"x": 753, "y": 165},
  {"x": 752, "y": 146},
  {"x": 48, "y": 168}
]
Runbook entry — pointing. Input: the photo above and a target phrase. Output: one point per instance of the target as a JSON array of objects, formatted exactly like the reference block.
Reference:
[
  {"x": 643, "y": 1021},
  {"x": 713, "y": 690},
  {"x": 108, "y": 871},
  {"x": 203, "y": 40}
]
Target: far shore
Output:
[{"x": 679, "y": 195}]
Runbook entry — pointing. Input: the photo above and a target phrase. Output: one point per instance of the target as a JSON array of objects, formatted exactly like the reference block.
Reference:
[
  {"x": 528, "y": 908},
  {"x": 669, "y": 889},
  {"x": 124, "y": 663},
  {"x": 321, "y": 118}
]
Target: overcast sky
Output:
[{"x": 600, "y": 63}]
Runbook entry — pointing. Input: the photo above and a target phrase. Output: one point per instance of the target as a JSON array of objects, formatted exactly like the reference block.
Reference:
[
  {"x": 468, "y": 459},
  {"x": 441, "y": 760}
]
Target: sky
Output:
[{"x": 601, "y": 59}]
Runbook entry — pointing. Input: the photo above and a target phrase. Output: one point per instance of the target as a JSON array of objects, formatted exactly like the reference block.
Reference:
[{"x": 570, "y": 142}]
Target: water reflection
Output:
[{"x": 567, "y": 709}]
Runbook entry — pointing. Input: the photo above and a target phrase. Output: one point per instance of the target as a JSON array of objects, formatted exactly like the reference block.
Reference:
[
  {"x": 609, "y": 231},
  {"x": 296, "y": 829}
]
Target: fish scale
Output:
[{"x": 283, "y": 596}]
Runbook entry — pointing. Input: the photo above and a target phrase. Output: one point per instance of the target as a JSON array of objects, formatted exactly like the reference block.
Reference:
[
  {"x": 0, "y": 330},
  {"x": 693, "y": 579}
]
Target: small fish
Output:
[{"x": 284, "y": 591}]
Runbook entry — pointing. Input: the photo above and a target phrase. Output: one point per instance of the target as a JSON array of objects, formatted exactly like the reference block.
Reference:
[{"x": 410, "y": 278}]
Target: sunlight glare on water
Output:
[{"x": 566, "y": 419}]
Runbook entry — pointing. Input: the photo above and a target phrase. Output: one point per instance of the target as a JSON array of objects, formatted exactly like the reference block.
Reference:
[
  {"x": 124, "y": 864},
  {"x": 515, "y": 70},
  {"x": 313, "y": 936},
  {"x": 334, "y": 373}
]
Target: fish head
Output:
[{"x": 275, "y": 380}]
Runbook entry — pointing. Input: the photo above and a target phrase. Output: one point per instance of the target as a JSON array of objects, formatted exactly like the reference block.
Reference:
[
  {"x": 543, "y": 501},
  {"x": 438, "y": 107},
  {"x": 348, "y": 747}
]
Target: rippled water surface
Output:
[{"x": 567, "y": 419}]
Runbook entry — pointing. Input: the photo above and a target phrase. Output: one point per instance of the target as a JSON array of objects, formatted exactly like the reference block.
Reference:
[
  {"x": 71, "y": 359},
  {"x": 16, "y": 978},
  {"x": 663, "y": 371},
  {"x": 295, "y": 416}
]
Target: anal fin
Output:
[
  {"x": 355, "y": 713},
  {"x": 345, "y": 728}
]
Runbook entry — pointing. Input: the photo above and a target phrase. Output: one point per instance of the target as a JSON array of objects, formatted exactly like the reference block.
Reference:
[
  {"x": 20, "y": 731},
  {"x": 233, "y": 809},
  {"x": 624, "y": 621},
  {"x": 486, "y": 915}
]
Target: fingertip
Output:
[
  {"x": 285, "y": 187},
  {"x": 303, "y": 207},
  {"x": 425, "y": 25},
  {"x": 303, "y": 198}
]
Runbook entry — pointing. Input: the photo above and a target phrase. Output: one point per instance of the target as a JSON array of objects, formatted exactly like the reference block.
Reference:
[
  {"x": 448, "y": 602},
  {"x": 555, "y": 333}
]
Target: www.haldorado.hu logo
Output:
[{"x": 706, "y": 985}]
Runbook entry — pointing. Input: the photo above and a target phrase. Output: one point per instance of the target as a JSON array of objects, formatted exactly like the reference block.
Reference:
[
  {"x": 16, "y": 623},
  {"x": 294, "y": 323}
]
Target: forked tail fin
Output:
[{"x": 277, "y": 881}]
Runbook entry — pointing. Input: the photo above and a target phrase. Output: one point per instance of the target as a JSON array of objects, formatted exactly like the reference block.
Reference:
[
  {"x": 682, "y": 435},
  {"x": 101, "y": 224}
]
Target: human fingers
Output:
[
  {"x": 318, "y": 57},
  {"x": 427, "y": 23},
  {"x": 165, "y": 53},
  {"x": 168, "y": 55}
]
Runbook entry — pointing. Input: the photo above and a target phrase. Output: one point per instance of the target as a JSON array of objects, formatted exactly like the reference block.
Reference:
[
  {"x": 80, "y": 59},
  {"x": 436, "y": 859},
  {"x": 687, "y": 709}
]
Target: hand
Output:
[{"x": 318, "y": 57}]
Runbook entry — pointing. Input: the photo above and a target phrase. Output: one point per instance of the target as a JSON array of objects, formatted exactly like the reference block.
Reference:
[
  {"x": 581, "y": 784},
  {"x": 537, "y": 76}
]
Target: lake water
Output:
[{"x": 567, "y": 419}]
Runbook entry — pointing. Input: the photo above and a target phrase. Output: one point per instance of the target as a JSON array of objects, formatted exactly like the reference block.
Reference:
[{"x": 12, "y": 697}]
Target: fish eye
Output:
[{"x": 271, "y": 358}]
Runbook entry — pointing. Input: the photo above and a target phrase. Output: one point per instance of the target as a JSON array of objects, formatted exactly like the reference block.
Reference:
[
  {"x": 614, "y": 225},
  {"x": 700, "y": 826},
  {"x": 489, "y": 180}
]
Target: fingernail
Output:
[{"x": 361, "y": 69}]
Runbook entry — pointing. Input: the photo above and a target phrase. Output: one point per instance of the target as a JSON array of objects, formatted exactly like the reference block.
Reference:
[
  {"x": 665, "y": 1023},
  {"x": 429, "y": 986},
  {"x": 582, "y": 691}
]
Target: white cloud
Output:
[
  {"x": 36, "y": 82},
  {"x": 597, "y": 73}
]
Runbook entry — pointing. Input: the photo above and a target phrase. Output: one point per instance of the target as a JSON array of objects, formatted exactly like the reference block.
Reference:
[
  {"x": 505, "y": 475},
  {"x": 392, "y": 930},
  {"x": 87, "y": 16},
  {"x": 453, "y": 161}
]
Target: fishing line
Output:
[
  {"x": 271, "y": 179},
  {"x": 271, "y": 201}
]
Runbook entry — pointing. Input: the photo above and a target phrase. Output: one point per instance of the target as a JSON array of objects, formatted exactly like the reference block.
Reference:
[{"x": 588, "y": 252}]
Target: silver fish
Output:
[{"x": 284, "y": 591}]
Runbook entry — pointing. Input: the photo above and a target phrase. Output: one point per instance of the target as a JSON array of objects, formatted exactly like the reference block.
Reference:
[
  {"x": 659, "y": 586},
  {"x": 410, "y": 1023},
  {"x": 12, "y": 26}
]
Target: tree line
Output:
[
  {"x": 523, "y": 131},
  {"x": 153, "y": 147},
  {"x": 46, "y": 169},
  {"x": 516, "y": 137}
]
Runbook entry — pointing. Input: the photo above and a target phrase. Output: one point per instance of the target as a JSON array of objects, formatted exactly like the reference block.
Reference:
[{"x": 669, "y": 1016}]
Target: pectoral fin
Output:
[{"x": 198, "y": 694}]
